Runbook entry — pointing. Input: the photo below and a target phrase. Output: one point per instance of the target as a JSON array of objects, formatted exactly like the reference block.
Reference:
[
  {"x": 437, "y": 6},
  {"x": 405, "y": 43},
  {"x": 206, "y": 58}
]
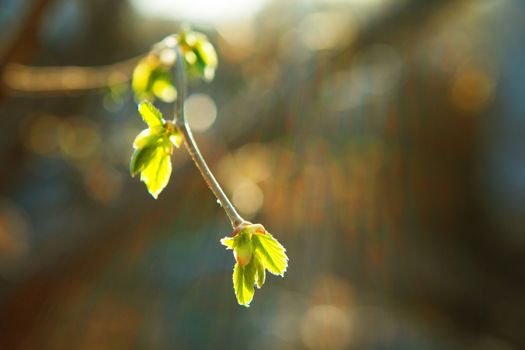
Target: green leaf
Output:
[
  {"x": 243, "y": 283},
  {"x": 228, "y": 242},
  {"x": 156, "y": 171},
  {"x": 176, "y": 138},
  {"x": 270, "y": 252},
  {"x": 140, "y": 158},
  {"x": 148, "y": 137},
  {"x": 207, "y": 52},
  {"x": 164, "y": 89},
  {"x": 207, "y": 59},
  {"x": 199, "y": 54},
  {"x": 261, "y": 273},
  {"x": 142, "y": 74},
  {"x": 255, "y": 251},
  {"x": 150, "y": 114},
  {"x": 243, "y": 249},
  {"x": 153, "y": 78}
]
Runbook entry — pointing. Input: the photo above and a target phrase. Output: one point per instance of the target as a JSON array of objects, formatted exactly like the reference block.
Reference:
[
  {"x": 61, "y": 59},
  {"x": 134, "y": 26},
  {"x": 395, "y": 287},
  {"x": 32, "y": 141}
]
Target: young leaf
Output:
[
  {"x": 176, "y": 138},
  {"x": 261, "y": 273},
  {"x": 207, "y": 58},
  {"x": 255, "y": 251},
  {"x": 270, "y": 252},
  {"x": 164, "y": 89},
  {"x": 243, "y": 250},
  {"x": 228, "y": 242},
  {"x": 156, "y": 171},
  {"x": 151, "y": 78},
  {"x": 142, "y": 73},
  {"x": 148, "y": 137},
  {"x": 243, "y": 283},
  {"x": 150, "y": 114},
  {"x": 199, "y": 54},
  {"x": 140, "y": 158},
  {"x": 207, "y": 52}
]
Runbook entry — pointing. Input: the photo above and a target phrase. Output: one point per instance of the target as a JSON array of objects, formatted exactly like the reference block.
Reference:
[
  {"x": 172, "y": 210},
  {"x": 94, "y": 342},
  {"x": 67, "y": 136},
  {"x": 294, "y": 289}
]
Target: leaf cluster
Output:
[
  {"x": 152, "y": 78},
  {"x": 152, "y": 149},
  {"x": 256, "y": 251}
]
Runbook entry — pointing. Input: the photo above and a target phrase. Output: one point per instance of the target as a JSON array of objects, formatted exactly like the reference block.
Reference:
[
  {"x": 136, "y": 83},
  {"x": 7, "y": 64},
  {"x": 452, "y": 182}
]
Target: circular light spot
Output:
[
  {"x": 103, "y": 183},
  {"x": 325, "y": 327},
  {"x": 41, "y": 135},
  {"x": 201, "y": 111},
  {"x": 253, "y": 161},
  {"x": 167, "y": 56},
  {"x": 471, "y": 90},
  {"x": 78, "y": 138},
  {"x": 248, "y": 198}
]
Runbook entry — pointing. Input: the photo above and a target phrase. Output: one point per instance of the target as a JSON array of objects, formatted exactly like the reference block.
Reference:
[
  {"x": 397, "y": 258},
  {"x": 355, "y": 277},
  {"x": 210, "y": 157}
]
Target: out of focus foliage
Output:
[{"x": 152, "y": 76}]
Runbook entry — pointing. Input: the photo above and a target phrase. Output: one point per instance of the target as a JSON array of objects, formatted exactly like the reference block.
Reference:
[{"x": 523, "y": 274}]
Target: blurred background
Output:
[{"x": 381, "y": 141}]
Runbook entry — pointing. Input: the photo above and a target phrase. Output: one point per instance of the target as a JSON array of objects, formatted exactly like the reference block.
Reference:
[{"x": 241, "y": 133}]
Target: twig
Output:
[
  {"x": 181, "y": 123},
  {"x": 21, "y": 79}
]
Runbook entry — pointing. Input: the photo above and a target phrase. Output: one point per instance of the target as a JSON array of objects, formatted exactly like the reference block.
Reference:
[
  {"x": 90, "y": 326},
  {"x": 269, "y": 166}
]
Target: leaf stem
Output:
[{"x": 181, "y": 123}]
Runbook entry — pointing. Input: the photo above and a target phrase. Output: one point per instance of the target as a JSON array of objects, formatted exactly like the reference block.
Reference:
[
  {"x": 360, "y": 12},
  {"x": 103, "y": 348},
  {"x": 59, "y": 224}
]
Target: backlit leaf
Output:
[
  {"x": 271, "y": 253},
  {"x": 148, "y": 137},
  {"x": 164, "y": 89},
  {"x": 229, "y": 242},
  {"x": 156, "y": 171},
  {"x": 140, "y": 158},
  {"x": 207, "y": 53},
  {"x": 243, "y": 283},
  {"x": 150, "y": 114},
  {"x": 176, "y": 138},
  {"x": 261, "y": 273},
  {"x": 255, "y": 251},
  {"x": 142, "y": 74},
  {"x": 243, "y": 250}
]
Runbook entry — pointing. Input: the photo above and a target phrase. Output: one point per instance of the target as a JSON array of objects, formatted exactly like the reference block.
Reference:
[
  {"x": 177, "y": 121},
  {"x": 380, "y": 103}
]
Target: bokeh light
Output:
[
  {"x": 248, "y": 197},
  {"x": 325, "y": 327},
  {"x": 198, "y": 10},
  {"x": 40, "y": 135},
  {"x": 243, "y": 171},
  {"x": 381, "y": 141},
  {"x": 78, "y": 138},
  {"x": 327, "y": 30},
  {"x": 201, "y": 112},
  {"x": 472, "y": 89}
]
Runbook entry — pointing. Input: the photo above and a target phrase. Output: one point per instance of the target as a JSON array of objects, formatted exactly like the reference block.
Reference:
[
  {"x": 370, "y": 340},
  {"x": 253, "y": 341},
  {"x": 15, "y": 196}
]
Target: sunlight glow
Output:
[
  {"x": 248, "y": 198},
  {"x": 198, "y": 10}
]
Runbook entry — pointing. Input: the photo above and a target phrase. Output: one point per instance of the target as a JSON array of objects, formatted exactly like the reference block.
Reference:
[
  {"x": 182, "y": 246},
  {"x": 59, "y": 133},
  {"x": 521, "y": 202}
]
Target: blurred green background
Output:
[{"x": 381, "y": 141}]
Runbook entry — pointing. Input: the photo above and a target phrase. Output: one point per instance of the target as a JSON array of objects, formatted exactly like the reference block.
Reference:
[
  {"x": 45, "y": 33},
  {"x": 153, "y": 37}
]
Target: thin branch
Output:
[
  {"x": 19, "y": 44},
  {"x": 24, "y": 42},
  {"x": 181, "y": 123},
  {"x": 21, "y": 79}
]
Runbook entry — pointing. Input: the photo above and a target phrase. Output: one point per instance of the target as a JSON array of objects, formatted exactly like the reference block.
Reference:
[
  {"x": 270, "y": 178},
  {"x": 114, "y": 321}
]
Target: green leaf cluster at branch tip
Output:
[
  {"x": 151, "y": 77},
  {"x": 153, "y": 148},
  {"x": 255, "y": 251}
]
